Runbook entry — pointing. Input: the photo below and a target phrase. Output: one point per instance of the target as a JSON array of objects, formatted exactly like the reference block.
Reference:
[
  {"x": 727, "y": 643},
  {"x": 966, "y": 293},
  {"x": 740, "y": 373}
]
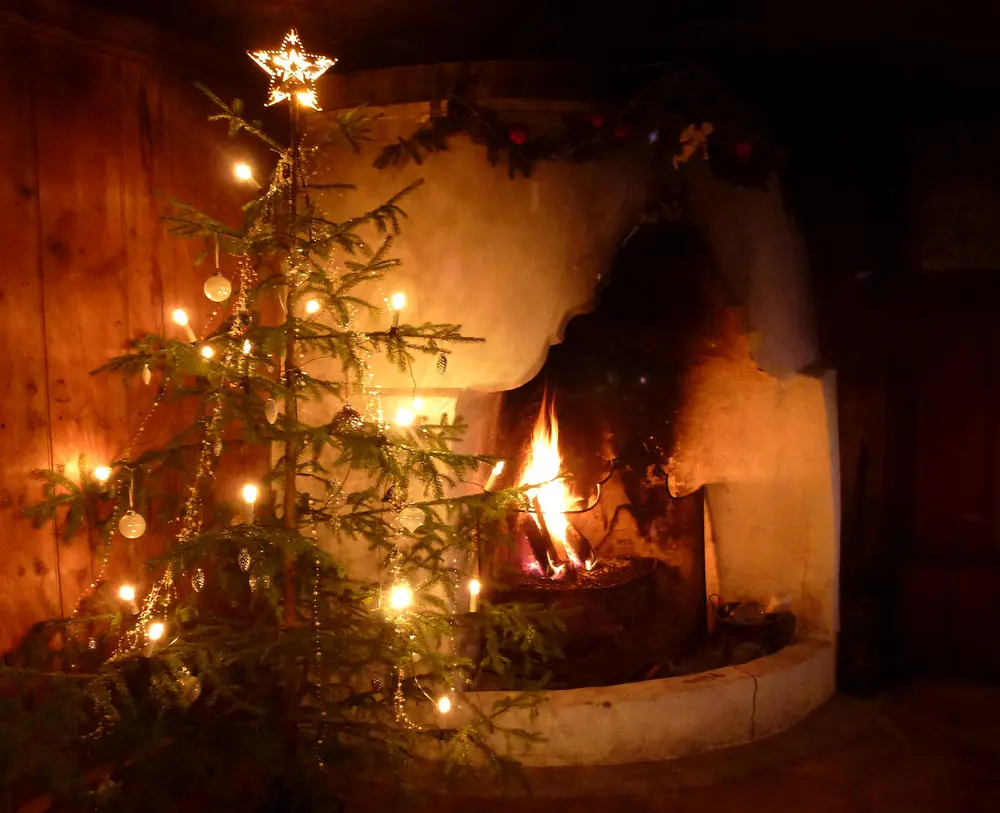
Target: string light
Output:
[
  {"x": 293, "y": 71},
  {"x": 155, "y": 630},
  {"x": 497, "y": 471},
  {"x": 475, "y": 588},
  {"x": 207, "y": 351},
  {"x": 400, "y": 597},
  {"x": 312, "y": 306},
  {"x": 405, "y": 416},
  {"x": 126, "y": 592},
  {"x": 444, "y": 704},
  {"x": 180, "y": 317},
  {"x": 102, "y": 473}
]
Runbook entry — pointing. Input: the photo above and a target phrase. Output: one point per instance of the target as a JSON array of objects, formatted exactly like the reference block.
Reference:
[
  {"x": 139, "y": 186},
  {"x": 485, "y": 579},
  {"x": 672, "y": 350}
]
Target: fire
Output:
[{"x": 544, "y": 466}]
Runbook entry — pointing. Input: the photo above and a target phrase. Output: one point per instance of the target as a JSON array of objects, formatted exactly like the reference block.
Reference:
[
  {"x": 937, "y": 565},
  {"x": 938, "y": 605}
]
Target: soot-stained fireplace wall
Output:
[{"x": 617, "y": 385}]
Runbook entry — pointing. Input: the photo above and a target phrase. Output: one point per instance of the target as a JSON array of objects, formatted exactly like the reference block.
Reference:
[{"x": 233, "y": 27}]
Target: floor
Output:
[{"x": 933, "y": 747}]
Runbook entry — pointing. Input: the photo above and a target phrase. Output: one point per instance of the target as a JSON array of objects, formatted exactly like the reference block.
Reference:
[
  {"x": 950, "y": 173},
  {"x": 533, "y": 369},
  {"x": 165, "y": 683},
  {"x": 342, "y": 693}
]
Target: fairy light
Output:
[
  {"x": 250, "y": 493},
  {"x": 397, "y": 302},
  {"x": 494, "y": 475},
  {"x": 405, "y": 416},
  {"x": 102, "y": 473},
  {"x": 400, "y": 597},
  {"x": 155, "y": 630},
  {"x": 247, "y": 347},
  {"x": 180, "y": 317},
  {"x": 207, "y": 351},
  {"x": 293, "y": 71},
  {"x": 126, "y": 592},
  {"x": 444, "y": 704},
  {"x": 307, "y": 98},
  {"x": 475, "y": 588},
  {"x": 312, "y": 306}
]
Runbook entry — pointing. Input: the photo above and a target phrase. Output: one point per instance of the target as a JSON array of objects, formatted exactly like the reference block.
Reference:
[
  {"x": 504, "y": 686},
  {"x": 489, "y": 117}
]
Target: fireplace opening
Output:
[{"x": 603, "y": 543}]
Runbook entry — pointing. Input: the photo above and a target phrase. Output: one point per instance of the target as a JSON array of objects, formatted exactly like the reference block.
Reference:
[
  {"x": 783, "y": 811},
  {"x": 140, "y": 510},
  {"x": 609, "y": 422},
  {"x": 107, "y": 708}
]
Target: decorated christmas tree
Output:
[{"x": 246, "y": 665}]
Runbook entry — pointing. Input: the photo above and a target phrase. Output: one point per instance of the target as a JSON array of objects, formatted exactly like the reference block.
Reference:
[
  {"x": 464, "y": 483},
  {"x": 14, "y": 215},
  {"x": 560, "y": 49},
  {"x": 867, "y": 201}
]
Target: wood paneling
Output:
[
  {"x": 83, "y": 262},
  {"x": 29, "y": 585},
  {"x": 89, "y": 137}
]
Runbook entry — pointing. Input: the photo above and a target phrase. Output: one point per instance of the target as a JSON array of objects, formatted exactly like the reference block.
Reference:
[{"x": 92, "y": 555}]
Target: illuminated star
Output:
[{"x": 293, "y": 72}]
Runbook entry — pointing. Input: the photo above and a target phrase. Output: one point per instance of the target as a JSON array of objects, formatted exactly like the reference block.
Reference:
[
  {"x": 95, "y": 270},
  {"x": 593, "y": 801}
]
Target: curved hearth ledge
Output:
[{"x": 673, "y": 717}]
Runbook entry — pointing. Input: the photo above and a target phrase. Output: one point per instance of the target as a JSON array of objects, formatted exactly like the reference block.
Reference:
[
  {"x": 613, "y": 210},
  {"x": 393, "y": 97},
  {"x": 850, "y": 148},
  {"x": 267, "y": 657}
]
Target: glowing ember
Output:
[{"x": 543, "y": 467}]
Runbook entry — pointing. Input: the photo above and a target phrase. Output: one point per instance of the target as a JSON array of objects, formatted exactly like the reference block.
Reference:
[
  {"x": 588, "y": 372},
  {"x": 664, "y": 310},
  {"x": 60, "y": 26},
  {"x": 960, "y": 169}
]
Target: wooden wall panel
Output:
[
  {"x": 147, "y": 263},
  {"x": 89, "y": 136},
  {"x": 78, "y": 103},
  {"x": 29, "y": 587}
]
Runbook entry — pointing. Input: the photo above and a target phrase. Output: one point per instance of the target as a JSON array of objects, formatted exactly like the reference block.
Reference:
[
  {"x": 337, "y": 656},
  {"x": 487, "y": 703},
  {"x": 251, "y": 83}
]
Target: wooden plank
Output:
[
  {"x": 79, "y": 131},
  {"x": 147, "y": 261},
  {"x": 29, "y": 587}
]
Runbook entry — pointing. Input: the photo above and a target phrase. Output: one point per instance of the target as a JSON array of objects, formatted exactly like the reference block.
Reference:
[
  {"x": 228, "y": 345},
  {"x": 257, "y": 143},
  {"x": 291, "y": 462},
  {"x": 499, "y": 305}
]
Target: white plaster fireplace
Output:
[{"x": 513, "y": 261}]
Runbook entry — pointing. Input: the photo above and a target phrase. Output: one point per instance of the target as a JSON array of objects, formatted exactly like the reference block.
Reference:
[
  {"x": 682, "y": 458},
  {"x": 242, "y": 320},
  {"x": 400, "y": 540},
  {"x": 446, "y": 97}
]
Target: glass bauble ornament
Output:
[
  {"x": 377, "y": 683},
  {"x": 147, "y": 374},
  {"x": 244, "y": 560},
  {"x": 271, "y": 410},
  {"x": 188, "y": 688},
  {"x": 218, "y": 288},
  {"x": 132, "y": 525},
  {"x": 198, "y": 580},
  {"x": 253, "y": 582},
  {"x": 442, "y": 364},
  {"x": 411, "y": 518},
  {"x": 397, "y": 497},
  {"x": 348, "y": 419}
]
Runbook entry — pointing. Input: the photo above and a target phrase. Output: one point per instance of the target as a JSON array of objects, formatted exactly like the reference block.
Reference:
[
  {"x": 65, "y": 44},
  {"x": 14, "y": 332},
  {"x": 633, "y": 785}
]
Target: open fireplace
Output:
[{"x": 604, "y": 543}]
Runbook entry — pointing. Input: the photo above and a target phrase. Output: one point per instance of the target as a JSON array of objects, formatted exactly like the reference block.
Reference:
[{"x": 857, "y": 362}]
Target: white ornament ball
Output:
[
  {"x": 411, "y": 518},
  {"x": 132, "y": 525},
  {"x": 218, "y": 288}
]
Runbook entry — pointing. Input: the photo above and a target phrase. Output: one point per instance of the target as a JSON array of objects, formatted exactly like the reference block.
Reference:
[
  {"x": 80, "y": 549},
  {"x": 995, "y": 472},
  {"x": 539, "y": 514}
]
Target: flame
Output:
[{"x": 543, "y": 466}]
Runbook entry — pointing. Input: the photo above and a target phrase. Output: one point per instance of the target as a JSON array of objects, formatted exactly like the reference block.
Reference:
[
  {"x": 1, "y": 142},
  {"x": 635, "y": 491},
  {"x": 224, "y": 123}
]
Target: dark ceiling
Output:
[{"x": 894, "y": 41}]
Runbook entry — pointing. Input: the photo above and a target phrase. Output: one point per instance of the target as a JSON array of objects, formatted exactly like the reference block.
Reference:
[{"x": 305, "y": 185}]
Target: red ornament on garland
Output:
[
  {"x": 597, "y": 120},
  {"x": 518, "y": 134},
  {"x": 744, "y": 149}
]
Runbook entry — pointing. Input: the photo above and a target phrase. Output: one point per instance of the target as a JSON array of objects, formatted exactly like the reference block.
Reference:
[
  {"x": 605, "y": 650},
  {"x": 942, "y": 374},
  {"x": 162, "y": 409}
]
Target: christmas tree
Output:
[{"x": 246, "y": 665}]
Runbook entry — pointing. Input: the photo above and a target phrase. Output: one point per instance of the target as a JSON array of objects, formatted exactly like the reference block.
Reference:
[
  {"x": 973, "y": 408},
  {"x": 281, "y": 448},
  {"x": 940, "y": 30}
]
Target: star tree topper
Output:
[{"x": 293, "y": 72}]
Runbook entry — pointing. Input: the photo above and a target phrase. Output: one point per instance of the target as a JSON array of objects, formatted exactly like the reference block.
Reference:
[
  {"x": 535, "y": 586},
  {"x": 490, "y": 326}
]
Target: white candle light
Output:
[{"x": 180, "y": 317}]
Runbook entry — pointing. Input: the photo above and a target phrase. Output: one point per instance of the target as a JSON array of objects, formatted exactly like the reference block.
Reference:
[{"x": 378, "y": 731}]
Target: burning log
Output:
[
  {"x": 583, "y": 547},
  {"x": 539, "y": 541}
]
